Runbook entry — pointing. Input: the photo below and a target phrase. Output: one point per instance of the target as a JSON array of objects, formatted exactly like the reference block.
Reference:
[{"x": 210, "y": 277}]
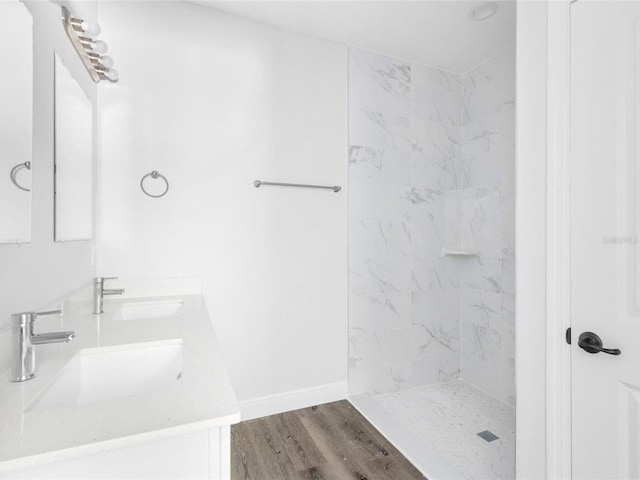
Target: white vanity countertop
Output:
[{"x": 202, "y": 398}]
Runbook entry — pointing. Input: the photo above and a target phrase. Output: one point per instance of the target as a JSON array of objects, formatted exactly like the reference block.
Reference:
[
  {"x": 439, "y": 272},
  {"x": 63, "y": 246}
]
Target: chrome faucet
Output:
[
  {"x": 99, "y": 292},
  {"x": 23, "y": 358}
]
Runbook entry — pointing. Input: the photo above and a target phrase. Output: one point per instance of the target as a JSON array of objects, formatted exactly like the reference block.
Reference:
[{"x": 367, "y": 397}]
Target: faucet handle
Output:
[
  {"x": 25, "y": 318},
  {"x": 49, "y": 312},
  {"x": 102, "y": 279}
]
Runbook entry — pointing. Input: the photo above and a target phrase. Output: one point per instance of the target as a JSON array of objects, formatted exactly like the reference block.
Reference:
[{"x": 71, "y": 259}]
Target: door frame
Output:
[
  {"x": 559, "y": 239},
  {"x": 543, "y": 363}
]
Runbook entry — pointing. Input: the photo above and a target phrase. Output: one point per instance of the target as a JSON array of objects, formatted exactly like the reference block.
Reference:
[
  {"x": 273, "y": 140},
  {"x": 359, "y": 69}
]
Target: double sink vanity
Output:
[{"x": 140, "y": 390}]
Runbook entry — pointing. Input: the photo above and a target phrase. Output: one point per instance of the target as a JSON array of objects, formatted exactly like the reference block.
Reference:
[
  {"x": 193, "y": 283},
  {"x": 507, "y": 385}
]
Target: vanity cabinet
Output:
[{"x": 203, "y": 454}]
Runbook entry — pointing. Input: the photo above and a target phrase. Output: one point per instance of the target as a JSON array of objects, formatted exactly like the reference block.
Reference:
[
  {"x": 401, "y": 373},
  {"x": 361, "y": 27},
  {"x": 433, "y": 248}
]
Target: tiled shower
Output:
[{"x": 431, "y": 251}]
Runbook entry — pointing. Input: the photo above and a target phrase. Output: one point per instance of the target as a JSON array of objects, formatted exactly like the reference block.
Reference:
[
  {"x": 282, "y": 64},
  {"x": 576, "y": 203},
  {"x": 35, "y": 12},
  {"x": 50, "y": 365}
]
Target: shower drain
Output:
[{"x": 488, "y": 436}]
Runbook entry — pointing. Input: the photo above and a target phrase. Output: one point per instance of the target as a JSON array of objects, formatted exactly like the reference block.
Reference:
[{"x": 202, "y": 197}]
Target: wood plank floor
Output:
[{"x": 328, "y": 442}]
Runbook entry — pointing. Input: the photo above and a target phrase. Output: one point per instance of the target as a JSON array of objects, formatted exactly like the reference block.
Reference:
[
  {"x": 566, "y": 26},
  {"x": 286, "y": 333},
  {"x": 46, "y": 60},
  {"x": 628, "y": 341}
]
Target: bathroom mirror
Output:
[
  {"x": 16, "y": 121},
  {"x": 73, "y": 158}
]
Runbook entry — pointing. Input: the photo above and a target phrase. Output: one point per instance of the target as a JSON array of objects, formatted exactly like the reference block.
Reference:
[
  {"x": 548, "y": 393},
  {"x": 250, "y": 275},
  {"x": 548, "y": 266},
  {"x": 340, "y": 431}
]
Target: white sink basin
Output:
[
  {"x": 97, "y": 374},
  {"x": 151, "y": 309}
]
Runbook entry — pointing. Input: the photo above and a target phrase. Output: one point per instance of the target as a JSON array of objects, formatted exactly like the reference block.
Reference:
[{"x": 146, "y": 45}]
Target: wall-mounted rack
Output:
[{"x": 259, "y": 183}]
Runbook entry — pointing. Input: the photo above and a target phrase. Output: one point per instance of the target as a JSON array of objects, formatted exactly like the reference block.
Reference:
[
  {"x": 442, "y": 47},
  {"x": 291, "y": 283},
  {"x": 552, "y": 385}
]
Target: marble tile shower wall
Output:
[
  {"x": 487, "y": 283},
  {"x": 405, "y": 123},
  {"x": 431, "y": 164}
]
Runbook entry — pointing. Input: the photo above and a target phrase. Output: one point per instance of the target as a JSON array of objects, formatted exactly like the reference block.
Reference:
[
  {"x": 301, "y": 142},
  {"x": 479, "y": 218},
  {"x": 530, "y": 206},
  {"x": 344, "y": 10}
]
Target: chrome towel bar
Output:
[{"x": 259, "y": 183}]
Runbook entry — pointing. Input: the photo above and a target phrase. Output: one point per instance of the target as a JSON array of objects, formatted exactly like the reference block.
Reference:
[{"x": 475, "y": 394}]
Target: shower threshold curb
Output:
[{"x": 430, "y": 464}]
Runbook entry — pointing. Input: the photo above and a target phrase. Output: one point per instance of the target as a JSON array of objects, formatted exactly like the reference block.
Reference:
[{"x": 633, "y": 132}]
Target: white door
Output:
[{"x": 605, "y": 228}]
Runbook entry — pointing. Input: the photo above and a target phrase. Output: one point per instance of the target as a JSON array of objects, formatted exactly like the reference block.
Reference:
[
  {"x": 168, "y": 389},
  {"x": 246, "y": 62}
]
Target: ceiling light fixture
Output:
[
  {"x": 483, "y": 10},
  {"x": 91, "y": 51}
]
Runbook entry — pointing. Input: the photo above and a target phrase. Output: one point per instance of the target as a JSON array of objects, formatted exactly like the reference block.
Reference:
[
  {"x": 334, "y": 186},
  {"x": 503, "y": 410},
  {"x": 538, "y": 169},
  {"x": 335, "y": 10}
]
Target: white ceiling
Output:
[{"x": 432, "y": 32}]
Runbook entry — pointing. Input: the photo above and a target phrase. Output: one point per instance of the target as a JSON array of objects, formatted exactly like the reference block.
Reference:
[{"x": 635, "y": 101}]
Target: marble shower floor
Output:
[{"x": 437, "y": 426}]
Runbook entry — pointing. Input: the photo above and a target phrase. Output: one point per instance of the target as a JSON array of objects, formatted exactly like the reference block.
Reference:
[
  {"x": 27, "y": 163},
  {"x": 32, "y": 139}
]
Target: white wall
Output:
[
  {"x": 531, "y": 241},
  {"x": 36, "y": 273},
  {"x": 213, "y": 102}
]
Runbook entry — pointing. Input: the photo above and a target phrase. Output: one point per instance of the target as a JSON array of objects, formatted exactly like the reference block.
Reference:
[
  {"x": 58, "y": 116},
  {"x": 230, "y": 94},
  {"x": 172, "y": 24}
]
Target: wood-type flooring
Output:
[{"x": 332, "y": 441}]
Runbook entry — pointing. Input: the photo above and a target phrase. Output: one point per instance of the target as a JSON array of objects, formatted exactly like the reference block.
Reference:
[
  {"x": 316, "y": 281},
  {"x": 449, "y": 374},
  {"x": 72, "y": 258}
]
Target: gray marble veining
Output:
[
  {"x": 487, "y": 292},
  {"x": 431, "y": 164},
  {"x": 405, "y": 143}
]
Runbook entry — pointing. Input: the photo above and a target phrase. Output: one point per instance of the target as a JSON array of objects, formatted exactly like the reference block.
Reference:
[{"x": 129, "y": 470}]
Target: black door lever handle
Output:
[{"x": 590, "y": 342}]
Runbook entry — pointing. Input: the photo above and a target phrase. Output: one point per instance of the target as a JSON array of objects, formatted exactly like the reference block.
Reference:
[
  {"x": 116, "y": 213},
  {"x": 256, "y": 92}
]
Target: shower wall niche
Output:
[{"x": 431, "y": 170}]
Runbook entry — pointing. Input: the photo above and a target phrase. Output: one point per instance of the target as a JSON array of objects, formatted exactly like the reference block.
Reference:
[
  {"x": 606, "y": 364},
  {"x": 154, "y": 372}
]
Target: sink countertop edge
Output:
[
  {"x": 114, "y": 444},
  {"x": 194, "y": 326}
]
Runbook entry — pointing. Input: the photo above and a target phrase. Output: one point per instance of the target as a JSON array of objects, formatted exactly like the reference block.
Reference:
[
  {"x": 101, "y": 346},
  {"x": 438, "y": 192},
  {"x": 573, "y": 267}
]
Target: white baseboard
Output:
[{"x": 292, "y": 400}]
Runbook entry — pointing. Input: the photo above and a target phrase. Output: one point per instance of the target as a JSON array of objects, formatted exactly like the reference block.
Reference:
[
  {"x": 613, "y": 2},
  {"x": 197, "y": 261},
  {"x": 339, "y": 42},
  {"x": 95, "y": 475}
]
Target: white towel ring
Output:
[{"x": 155, "y": 174}]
